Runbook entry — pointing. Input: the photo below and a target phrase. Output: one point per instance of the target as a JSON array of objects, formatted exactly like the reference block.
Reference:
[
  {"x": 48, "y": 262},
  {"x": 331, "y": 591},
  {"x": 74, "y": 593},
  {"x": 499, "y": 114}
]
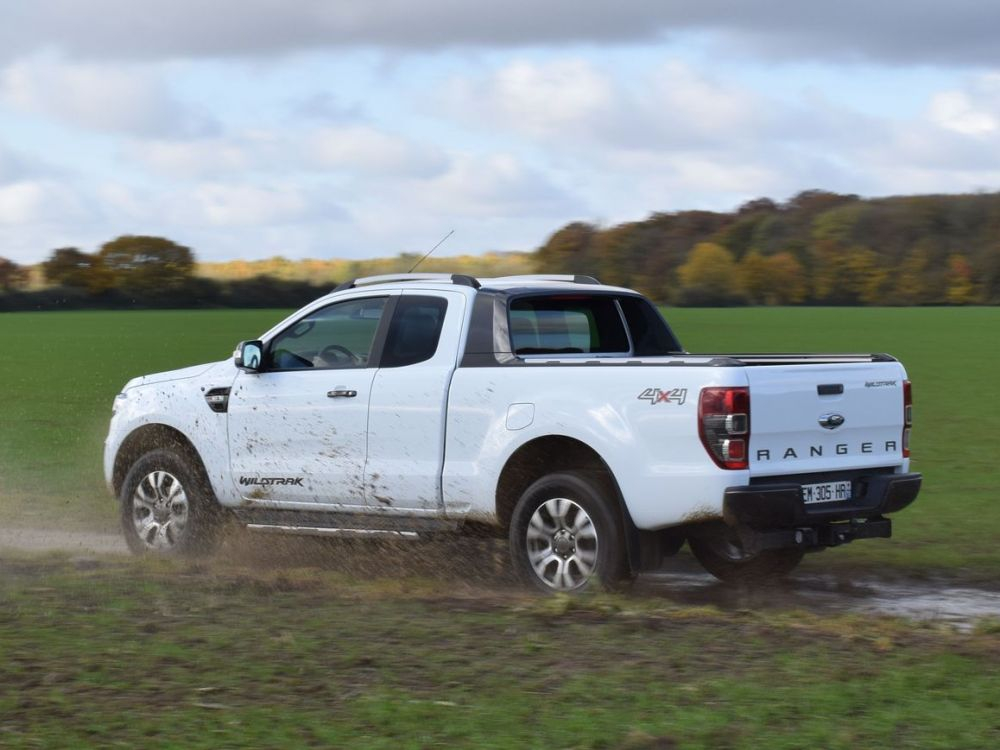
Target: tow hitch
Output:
[{"x": 816, "y": 537}]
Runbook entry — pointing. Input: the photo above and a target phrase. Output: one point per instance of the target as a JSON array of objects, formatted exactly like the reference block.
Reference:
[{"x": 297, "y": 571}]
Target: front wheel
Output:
[
  {"x": 722, "y": 555},
  {"x": 168, "y": 507},
  {"x": 565, "y": 535}
]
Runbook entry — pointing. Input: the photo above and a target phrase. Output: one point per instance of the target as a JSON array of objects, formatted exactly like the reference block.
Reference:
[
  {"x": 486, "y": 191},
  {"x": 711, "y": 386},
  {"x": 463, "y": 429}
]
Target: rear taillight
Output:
[
  {"x": 724, "y": 425},
  {"x": 907, "y": 416}
]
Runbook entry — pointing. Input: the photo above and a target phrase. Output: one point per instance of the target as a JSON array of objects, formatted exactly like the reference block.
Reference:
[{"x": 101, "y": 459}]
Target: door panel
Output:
[
  {"x": 406, "y": 429},
  {"x": 298, "y": 431},
  {"x": 291, "y": 442}
]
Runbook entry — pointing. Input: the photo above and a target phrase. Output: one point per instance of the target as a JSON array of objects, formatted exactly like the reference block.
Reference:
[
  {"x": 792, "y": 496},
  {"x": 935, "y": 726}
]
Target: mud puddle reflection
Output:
[{"x": 937, "y": 600}]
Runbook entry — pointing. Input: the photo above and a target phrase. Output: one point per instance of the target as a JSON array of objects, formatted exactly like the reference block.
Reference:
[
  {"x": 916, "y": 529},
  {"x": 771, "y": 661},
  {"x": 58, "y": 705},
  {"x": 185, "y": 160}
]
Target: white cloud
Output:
[
  {"x": 974, "y": 111},
  {"x": 495, "y": 186},
  {"x": 685, "y": 105},
  {"x": 191, "y": 158},
  {"x": 370, "y": 151},
  {"x": 99, "y": 97},
  {"x": 355, "y": 151},
  {"x": 542, "y": 99},
  {"x": 224, "y": 205},
  {"x": 36, "y": 201},
  {"x": 568, "y": 101}
]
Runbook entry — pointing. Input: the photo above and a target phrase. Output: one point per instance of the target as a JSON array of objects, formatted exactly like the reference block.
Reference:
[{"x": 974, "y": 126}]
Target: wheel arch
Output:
[
  {"x": 546, "y": 455},
  {"x": 150, "y": 437}
]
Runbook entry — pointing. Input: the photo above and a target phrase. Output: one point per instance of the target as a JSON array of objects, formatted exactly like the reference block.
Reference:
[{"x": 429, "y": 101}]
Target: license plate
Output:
[{"x": 826, "y": 492}]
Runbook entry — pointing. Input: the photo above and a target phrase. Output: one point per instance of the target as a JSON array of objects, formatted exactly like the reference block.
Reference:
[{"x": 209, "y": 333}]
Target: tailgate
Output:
[{"x": 810, "y": 418}]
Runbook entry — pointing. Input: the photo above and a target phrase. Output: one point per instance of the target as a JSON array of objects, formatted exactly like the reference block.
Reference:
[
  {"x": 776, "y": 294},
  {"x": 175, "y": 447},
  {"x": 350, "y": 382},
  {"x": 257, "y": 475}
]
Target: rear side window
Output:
[
  {"x": 415, "y": 330},
  {"x": 567, "y": 324},
  {"x": 650, "y": 335}
]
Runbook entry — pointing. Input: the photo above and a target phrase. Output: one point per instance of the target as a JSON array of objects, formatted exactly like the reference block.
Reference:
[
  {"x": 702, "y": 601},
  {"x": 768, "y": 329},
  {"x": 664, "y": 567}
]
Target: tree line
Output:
[
  {"x": 817, "y": 248},
  {"x": 136, "y": 271}
]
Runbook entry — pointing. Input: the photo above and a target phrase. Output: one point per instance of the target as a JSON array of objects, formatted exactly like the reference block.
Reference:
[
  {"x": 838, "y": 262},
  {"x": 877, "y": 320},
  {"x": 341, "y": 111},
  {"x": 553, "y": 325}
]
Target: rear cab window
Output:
[
  {"x": 415, "y": 330},
  {"x": 589, "y": 325}
]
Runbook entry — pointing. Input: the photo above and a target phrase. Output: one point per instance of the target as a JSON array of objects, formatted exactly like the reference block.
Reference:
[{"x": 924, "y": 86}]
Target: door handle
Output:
[{"x": 341, "y": 393}]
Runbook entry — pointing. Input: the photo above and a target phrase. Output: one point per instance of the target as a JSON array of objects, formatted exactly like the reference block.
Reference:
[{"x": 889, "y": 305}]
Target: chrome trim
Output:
[{"x": 831, "y": 421}]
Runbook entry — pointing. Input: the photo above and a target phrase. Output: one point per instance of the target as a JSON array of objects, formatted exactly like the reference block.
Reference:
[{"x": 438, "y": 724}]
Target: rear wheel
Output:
[
  {"x": 168, "y": 507},
  {"x": 722, "y": 554},
  {"x": 565, "y": 535}
]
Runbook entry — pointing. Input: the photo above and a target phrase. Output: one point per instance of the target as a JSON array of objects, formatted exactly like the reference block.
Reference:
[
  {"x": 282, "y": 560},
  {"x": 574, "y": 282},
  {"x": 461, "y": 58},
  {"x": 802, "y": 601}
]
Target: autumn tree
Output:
[
  {"x": 787, "y": 280},
  {"x": 12, "y": 275},
  {"x": 988, "y": 274},
  {"x": 910, "y": 285},
  {"x": 567, "y": 251},
  {"x": 147, "y": 264},
  {"x": 961, "y": 290},
  {"x": 778, "y": 279},
  {"x": 709, "y": 276},
  {"x": 847, "y": 276},
  {"x": 753, "y": 272},
  {"x": 68, "y": 266},
  {"x": 864, "y": 275}
]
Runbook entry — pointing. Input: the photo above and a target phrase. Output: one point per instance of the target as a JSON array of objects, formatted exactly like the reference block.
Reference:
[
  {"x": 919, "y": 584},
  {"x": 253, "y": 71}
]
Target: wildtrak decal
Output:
[
  {"x": 664, "y": 396},
  {"x": 880, "y": 383},
  {"x": 268, "y": 481}
]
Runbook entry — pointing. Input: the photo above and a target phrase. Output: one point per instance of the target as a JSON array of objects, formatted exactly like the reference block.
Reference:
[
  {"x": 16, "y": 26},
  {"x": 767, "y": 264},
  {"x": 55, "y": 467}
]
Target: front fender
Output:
[{"x": 181, "y": 406}]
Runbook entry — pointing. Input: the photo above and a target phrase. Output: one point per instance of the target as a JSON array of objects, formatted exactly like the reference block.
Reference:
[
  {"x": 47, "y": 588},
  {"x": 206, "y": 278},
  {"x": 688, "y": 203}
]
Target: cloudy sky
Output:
[{"x": 343, "y": 128}]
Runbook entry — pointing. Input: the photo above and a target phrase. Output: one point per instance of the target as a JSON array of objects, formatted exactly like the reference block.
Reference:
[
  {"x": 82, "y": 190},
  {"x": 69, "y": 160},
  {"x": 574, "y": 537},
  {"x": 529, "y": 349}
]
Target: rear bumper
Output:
[
  {"x": 769, "y": 506},
  {"x": 769, "y": 516}
]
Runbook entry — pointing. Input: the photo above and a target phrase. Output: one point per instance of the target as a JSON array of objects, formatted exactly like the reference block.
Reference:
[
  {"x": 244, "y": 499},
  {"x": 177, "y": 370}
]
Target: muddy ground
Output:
[{"x": 475, "y": 565}]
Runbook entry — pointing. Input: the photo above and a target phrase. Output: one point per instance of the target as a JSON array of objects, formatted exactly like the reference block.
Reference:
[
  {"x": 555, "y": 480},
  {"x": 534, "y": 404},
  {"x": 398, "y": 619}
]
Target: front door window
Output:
[{"x": 337, "y": 337}]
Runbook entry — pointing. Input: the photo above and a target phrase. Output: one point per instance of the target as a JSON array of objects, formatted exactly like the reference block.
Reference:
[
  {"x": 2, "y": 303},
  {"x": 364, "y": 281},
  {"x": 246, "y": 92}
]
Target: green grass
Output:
[
  {"x": 60, "y": 372},
  {"x": 166, "y": 655}
]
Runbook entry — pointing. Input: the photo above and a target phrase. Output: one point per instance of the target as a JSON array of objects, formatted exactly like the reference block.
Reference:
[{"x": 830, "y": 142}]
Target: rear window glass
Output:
[
  {"x": 415, "y": 330},
  {"x": 570, "y": 324}
]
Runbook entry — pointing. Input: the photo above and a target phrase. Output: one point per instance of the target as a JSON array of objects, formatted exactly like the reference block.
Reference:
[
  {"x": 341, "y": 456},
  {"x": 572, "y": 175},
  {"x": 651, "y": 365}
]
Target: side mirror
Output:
[{"x": 249, "y": 355}]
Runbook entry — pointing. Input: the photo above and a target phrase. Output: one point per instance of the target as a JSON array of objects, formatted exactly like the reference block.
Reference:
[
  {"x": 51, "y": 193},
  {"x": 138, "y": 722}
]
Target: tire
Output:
[
  {"x": 722, "y": 555},
  {"x": 566, "y": 536},
  {"x": 168, "y": 507}
]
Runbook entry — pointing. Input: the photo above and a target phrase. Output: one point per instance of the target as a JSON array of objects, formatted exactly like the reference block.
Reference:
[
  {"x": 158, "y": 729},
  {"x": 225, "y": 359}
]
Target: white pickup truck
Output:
[{"x": 557, "y": 411}]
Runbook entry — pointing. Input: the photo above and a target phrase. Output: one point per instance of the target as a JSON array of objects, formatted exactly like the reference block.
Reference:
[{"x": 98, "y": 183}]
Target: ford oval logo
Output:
[{"x": 831, "y": 421}]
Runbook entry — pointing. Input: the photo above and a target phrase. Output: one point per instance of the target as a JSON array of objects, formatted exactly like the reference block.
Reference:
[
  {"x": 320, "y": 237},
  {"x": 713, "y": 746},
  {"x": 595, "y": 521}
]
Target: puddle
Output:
[{"x": 934, "y": 600}]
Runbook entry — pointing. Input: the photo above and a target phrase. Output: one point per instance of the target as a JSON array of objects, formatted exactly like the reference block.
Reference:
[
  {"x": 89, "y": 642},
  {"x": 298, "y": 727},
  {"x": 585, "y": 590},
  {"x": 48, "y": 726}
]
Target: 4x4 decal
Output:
[{"x": 664, "y": 396}]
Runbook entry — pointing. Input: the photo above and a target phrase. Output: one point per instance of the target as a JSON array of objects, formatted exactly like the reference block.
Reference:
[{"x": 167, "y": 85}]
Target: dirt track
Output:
[
  {"x": 42, "y": 540},
  {"x": 681, "y": 582}
]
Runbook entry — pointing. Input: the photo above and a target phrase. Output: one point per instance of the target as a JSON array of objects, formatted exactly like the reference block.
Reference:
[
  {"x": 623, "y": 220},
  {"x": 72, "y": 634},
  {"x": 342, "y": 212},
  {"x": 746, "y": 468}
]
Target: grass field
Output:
[
  {"x": 348, "y": 646},
  {"x": 139, "y": 654},
  {"x": 60, "y": 372}
]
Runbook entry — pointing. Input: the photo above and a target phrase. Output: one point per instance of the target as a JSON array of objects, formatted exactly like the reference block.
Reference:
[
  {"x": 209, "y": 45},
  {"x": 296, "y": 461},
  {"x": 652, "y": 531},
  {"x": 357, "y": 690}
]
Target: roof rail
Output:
[
  {"x": 395, "y": 278},
  {"x": 462, "y": 279},
  {"x": 571, "y": 278}
]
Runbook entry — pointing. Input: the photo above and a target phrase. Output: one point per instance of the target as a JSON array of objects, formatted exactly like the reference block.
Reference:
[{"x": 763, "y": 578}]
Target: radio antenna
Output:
[{"x": 441, "y": 242}]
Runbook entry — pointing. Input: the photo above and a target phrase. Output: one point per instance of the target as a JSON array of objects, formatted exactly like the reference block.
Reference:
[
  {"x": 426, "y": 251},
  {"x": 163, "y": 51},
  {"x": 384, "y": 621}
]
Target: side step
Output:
[
  {"x": 328, "y": 531},
  {"x": 325, "y": 523}
]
